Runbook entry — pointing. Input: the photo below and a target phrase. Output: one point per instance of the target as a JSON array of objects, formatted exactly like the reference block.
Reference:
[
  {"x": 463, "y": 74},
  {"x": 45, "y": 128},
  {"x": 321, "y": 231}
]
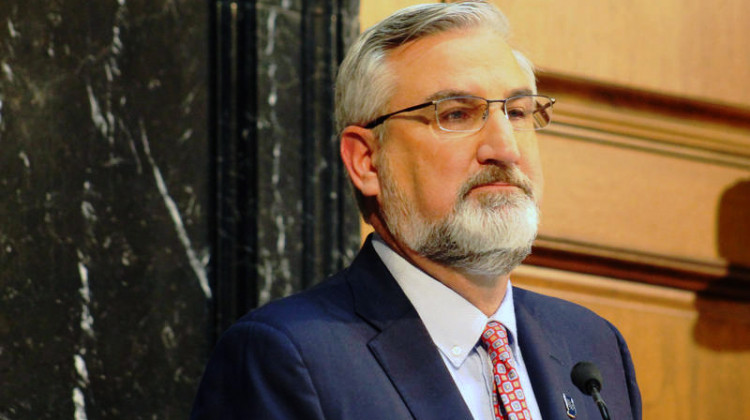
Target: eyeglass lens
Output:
[{"x": 468, "y": 113}]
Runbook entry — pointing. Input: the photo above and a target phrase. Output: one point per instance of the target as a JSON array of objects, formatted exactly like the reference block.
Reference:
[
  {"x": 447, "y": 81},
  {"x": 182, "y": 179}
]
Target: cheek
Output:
[
  {"x": 438, "y": 176},
  {"x": 531, "y": 165}
]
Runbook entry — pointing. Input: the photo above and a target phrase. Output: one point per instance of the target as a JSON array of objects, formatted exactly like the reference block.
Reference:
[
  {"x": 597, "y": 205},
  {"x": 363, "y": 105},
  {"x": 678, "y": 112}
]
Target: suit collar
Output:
[
  {"x": 403, "y": 348},
  {"x": 377, "y": 297}
]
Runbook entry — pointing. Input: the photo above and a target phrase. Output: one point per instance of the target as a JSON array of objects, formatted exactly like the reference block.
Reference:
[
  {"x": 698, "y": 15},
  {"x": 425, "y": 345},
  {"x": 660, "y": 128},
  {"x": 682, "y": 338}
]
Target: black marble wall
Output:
[
  {"x": 285, "y": 217},
  {"x": 165, "y": 165}
]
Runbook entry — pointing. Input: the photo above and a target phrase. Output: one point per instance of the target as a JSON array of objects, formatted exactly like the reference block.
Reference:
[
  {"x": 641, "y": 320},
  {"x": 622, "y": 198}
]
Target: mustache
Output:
[{"x": 499, "y": 173}]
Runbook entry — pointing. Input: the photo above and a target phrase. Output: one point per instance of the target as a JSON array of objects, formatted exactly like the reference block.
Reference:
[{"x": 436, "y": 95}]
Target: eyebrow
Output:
[{"x": 448, "y": 93}]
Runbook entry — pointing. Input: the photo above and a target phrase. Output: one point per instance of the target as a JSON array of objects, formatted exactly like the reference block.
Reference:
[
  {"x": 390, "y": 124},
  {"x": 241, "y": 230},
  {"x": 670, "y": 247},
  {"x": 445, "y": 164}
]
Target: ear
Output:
[{"x": 358, "y": 148}]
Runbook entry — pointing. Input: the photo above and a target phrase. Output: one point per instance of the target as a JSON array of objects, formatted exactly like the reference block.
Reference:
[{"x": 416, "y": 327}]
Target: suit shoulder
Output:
[
  {"x": 328, "y": 299},
  {"x": 559, "y": 311}
]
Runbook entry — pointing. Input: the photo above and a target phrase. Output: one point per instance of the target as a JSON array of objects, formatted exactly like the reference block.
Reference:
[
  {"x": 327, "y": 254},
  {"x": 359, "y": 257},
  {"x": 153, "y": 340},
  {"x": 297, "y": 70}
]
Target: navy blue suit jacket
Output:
[{"x": 354, "y": 347}]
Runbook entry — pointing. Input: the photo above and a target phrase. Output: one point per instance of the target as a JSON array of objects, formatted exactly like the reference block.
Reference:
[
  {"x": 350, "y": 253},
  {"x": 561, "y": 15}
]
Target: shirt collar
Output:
[{"x": 455, "y": 335}]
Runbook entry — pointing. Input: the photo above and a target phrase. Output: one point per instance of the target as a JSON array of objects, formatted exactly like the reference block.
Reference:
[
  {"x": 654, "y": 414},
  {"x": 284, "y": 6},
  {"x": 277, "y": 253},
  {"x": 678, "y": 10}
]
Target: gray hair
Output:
[{"x": 364, "y": 83}]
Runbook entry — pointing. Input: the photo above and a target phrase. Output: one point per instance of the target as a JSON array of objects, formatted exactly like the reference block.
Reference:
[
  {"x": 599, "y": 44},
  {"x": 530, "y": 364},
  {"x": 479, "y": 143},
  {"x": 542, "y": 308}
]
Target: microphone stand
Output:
[{"x": 594, "y": 391}]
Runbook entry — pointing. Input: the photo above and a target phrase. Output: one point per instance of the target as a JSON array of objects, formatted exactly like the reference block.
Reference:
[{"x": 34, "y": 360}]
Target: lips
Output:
[
  {"x": 498, "y": 177},
  {"x": 495, "y": 186}
]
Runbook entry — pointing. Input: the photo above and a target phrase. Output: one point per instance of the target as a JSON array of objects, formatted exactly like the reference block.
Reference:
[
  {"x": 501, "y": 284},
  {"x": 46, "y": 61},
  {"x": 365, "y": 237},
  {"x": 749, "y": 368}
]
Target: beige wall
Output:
[
  {"x": 688, "y": 48},
  {"x": 647, "y": 198},
  {"x": 681, "y": 47}
]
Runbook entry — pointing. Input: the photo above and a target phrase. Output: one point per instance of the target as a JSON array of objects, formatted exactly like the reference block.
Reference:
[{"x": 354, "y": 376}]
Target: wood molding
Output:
[
  {"x": 619, "y": 96},
  {"x": 653, "y": 123},
  {"x": 706, "y": 278},
  {"x": 604, "y": 290},
  {"x": 658, "y": 123}
]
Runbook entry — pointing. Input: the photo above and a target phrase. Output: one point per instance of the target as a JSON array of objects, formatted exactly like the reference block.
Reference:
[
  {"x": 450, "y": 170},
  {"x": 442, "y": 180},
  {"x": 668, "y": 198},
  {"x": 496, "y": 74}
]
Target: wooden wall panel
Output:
[
  {"x": 681, "y": 47},
  {"x": 686, "y": 48},
  {"x": 641, "y": 181},
  {"x": 652, "y": 191},
  {"x": 650, "y": 181}
]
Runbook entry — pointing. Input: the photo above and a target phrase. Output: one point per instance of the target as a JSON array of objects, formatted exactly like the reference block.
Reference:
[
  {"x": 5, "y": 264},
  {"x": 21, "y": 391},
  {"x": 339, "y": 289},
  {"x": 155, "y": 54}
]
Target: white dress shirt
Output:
[{"x": 458, "y": 336}]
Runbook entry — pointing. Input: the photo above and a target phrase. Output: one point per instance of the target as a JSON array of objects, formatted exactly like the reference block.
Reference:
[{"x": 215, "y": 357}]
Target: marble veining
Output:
[
  {"x": 300, "y": 230},
  {"x": 271, "y": 28},
  {"x": 79, "y": 403},
  {"x": 96, "y": 113},
  {"x": 12, "y": 29},
  {"x": 103, "y": 225},
  {"x": 25, "y": 159},
  {"x": 198, "y": 266},
  {"x": 87, "y": 326},
  {"x": 7, "y": 71},
  {"x": 86, "y": 320},
  {"x": 276, "y": 272}
]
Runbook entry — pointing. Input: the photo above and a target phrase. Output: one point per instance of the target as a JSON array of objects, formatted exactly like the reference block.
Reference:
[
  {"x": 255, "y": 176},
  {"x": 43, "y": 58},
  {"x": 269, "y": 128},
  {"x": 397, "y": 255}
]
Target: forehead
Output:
[{"x": 475, "y": 61}]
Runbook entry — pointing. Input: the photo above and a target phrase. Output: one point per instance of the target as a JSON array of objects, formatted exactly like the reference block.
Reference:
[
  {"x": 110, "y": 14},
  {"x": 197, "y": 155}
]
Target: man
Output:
[{"x": 425, "y": 323}]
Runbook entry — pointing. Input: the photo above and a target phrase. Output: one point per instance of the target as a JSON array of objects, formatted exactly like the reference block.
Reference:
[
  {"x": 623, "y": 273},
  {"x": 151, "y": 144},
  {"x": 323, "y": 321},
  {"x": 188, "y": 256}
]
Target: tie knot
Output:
[{"x": 494, "y": 335}]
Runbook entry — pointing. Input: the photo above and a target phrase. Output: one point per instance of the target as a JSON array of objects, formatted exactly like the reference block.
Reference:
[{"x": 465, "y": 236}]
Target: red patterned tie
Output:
[{"x": 508, "y": 384}]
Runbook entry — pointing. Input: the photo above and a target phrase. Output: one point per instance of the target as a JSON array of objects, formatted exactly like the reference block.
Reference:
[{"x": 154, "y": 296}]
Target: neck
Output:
[{"x": 485, "y": 292}]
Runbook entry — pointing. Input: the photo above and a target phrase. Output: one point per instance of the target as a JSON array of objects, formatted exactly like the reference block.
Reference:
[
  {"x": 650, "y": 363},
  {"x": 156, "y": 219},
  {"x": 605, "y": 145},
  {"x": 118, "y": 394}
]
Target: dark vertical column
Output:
[
  {"x": 233, "y": 116},
  {"x": 327, "y": 27},
  {"x": 284, "y": 217}
]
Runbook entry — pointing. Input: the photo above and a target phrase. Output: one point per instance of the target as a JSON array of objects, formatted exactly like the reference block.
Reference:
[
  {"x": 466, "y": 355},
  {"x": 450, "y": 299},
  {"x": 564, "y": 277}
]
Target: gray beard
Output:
[{"x": 487, "y": 235}]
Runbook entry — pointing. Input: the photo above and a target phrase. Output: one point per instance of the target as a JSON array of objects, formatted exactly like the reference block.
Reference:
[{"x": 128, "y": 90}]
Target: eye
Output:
[
  {"x": 520, "y": 108},
  {"x": 460, "y": 113},
  {"x": 518, "y": 113},
  {"x": 456, "y": 114}
]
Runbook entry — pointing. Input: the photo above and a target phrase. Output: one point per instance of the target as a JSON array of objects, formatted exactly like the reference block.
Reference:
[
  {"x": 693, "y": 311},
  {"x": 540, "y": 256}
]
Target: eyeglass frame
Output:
[{"x": 381, "y": 119}]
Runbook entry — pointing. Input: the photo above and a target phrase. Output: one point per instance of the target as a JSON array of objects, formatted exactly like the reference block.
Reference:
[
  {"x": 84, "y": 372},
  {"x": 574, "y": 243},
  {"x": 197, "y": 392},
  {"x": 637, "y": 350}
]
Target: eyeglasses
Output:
[{"x": 467, "y": 114}]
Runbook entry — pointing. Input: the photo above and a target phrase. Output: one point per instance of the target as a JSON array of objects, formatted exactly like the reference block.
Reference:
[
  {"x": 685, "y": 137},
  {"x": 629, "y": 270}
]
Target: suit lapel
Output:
[
  {"x": 546, "y": 357},
  {"x": 408, "y": 356},
  {"x": 403, "y": 348}
]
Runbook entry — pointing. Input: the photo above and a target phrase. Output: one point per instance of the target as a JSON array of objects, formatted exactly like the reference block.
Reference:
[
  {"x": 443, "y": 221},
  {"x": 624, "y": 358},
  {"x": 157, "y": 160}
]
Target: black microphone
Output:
[{"x": 588, "y": 379}]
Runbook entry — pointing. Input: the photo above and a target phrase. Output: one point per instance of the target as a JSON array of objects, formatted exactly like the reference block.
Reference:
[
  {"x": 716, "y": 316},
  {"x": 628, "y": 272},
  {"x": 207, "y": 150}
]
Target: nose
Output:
[{"x": 497, "y": 140}]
